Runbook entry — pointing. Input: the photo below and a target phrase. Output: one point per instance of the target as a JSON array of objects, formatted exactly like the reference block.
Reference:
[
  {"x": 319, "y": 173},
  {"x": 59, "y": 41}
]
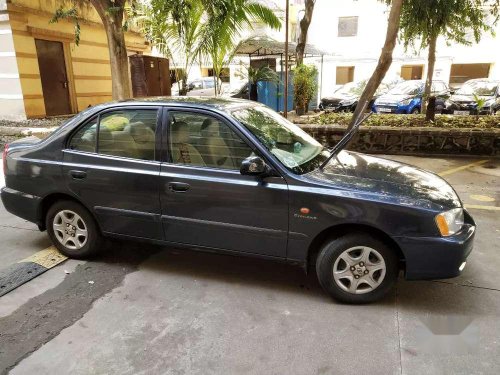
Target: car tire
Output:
[
  {"x": 415, "y": 111},
  {"x": 357, "y": 268},
  {"x": 73, "y": 230}
]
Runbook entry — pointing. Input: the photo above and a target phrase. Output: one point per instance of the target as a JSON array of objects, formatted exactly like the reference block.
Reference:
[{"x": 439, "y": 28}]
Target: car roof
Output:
[
  {"x": 221, "y": 104},
  {"x": 483, "y": 80}
]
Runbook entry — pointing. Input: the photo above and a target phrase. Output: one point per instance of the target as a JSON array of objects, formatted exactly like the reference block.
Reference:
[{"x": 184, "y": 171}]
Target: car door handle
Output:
[
  {"x": 178, "y": 187},
  {"x": 78, "y": 175}
]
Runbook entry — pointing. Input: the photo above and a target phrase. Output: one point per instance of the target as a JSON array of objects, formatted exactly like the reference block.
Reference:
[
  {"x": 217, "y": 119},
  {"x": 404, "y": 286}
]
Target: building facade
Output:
[
  {"x": 353, "y": 32},
  {"x": 42, "y": 71}
]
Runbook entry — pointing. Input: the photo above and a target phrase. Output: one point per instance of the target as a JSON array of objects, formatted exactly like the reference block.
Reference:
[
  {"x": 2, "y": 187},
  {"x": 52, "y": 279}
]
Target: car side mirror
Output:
[{"x": 253, "y": 166}]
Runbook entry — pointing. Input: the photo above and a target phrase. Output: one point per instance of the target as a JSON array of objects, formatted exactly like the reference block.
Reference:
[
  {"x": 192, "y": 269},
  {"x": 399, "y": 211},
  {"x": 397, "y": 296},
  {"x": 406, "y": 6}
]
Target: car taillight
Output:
[{"x": 4, "y": 157}]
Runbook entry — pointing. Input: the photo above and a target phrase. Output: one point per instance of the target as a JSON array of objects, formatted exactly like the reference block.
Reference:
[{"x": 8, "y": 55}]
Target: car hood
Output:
[
  {"x": 467, "y": 98},
  {"x": 339, "y": 98},
  {"x": 392, "y": 98},
  {"x": 389, "y": 180}
]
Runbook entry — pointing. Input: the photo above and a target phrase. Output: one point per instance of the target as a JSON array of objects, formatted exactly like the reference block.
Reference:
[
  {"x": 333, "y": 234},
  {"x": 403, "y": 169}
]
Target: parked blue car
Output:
[{"x": 406, "y": 97}]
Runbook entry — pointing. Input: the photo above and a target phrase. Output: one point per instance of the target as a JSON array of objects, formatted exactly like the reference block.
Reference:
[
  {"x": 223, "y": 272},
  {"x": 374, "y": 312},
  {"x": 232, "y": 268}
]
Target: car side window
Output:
[
  {"x": 128, "y": 133},
  {"x": 202, "y": 140},
  {"x": 85, "y": 138}
]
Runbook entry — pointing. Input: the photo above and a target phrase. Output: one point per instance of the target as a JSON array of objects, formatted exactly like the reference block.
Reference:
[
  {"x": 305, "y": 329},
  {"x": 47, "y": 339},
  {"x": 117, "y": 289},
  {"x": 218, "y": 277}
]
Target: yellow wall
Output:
[{"x": 87, "y": 65}]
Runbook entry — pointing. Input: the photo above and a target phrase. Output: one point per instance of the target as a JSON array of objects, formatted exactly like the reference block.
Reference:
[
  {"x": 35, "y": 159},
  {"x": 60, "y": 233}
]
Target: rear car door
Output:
[
  {"x": 111, "y": 163},
  {"x": 205, "y": 201}
]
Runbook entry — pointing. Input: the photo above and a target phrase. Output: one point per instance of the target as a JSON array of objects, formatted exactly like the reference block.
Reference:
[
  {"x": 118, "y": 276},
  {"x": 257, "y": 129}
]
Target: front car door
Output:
[
  {"x": 111, "y": 164},
  {"x": 205, "y": 201}
]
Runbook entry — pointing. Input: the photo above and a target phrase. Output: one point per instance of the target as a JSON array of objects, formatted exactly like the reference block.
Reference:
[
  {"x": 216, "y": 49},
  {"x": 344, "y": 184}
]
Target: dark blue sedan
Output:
[{"x": 235, "y": 177}]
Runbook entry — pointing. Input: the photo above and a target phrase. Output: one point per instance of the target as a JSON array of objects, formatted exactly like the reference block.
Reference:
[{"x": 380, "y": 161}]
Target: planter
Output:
[
  {"x": 300, "y": 111},
  {"x": 413, "y": 141}
]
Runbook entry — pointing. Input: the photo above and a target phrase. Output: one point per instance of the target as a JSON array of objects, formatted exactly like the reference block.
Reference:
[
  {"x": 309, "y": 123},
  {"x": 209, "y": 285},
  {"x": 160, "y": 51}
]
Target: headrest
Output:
[
  {"x": 210, "y": 128},
  {"x": 140, "y": 132},
  {"x": 179, "y": 132}
]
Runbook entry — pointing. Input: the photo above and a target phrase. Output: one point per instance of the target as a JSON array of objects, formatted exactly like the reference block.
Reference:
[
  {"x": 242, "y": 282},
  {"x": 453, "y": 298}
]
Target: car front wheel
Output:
[
  {"x": 73, "y": 230},
  {"x": 357, "y": 268}
]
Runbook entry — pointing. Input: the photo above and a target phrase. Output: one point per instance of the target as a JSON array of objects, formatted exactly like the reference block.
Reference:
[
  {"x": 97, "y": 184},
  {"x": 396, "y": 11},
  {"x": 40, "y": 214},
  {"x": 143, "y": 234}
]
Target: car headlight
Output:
[
  {"x": 406, "y": 101},
  {"x": 450, "y": 222}
]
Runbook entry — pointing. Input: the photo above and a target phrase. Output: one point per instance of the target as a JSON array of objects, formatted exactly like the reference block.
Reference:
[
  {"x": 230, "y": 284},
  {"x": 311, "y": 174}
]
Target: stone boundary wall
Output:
[{"x": 412, "y": 141}]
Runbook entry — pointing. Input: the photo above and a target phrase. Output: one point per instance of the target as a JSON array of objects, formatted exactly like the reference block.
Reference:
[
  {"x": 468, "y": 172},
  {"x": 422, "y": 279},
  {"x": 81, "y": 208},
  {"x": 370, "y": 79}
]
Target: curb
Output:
[{"x": 14, "y": 131}]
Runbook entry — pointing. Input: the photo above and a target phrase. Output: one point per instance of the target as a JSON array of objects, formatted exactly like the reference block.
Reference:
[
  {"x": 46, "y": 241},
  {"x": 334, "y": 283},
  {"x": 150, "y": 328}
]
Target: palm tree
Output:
[
  {"x": 256, "y": 75},
  {"x": 175, "y": 27},
  {"x": 225, "y": 21}
]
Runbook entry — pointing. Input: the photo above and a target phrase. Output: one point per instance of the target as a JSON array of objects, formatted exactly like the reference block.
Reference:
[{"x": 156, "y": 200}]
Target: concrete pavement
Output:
[{"x": 154, "y": 310}]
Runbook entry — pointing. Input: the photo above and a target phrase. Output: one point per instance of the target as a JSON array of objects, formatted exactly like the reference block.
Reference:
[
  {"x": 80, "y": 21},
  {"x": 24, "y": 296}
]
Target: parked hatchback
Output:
[
  {"x": 406, "y": 97},
  {"x": 233, "y": 176}
]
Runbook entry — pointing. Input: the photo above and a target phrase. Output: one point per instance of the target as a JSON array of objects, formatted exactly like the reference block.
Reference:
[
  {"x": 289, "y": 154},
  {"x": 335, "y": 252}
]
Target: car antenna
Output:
[{"x": 345, "y": 139}]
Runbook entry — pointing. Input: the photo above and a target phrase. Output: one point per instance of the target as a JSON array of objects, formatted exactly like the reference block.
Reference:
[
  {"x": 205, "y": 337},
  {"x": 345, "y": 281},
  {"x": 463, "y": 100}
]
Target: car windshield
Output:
[
  {"x": 297, "y": 150},
  {"x": 352, "y": 88},
  {"x": 406, "y": 88},
  {"x": 209, "y": 84},
  {"x": 478, "y": 88}
]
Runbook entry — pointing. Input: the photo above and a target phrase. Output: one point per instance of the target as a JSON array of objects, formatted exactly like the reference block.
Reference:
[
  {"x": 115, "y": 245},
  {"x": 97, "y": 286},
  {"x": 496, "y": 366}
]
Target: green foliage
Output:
[
  {"x": 480, "y": 102},
  {"x": 71, "y": 14},
  {"x": 225, "y": 19},
  {"x": 175, "y": 28},
  {"x": 201, "y": 29},
  {"x": 262, "y": 74},
  {"x": 412, "y": 121},
  {"x": 460, "y": 21},
  {"x": 305, "y": 84}
]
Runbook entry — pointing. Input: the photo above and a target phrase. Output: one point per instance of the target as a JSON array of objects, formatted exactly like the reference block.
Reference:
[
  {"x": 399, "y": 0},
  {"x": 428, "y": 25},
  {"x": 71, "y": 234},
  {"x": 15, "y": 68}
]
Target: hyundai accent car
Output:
[{"x": 233, "y": 176}]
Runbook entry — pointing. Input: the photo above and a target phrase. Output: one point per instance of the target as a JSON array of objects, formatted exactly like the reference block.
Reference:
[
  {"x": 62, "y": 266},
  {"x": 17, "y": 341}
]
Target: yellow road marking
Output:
[
  {"x": 47, "y": 258},
  {"x": 478, "y": 207},
  {"x": 481, "y": 198},
  {"x": 461, "y": 168}
]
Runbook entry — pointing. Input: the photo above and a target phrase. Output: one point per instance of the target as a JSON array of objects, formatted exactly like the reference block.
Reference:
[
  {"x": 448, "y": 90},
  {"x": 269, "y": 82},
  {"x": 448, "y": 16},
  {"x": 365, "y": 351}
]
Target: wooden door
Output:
[
  {"x": 54, "y": 78},
  {"x": 151, "y": 69}
]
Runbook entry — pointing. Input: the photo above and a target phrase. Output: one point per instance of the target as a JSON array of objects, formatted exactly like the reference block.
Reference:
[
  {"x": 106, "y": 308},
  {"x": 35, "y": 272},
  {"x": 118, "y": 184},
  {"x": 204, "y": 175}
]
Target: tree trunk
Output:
[
  {"x": 113, "y": 25},
  {"x": 384, "y": 62},
  {"x": 304, "y": 27},
  {"x": 431, "y": 60},
  {"x": 253, "y": 92}
]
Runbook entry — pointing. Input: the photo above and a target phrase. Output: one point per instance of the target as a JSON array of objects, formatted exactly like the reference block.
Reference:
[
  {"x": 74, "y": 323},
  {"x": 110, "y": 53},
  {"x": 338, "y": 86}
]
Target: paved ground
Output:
[{"x": 149, "y": 310}]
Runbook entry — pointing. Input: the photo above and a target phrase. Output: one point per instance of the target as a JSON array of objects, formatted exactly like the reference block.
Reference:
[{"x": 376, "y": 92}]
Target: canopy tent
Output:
[
  {"x": 264, "y": 46},
  {"x": 261, "y": 46}
]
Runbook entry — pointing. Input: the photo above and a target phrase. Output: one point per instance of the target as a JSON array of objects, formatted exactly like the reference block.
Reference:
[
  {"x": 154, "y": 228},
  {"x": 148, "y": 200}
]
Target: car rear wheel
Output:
[
  {"x": 73, "y": 230},
  {"x": 415, "y": 111},
  {"x": 357, "y": 268}
]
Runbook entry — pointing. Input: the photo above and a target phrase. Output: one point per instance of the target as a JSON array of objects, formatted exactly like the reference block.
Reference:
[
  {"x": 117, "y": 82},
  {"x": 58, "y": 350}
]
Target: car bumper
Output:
[
  {"x": 400, "y": 109},
  {"x": 437, "y": 257},
  {"x": 26, "y": 206},
  {"x": 335, "y": 107}
]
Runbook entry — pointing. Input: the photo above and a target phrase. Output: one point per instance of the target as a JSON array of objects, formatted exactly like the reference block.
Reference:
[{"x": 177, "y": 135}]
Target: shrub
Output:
[
  {"x": 304, "y": 86},
  {"x": 412, "y": 121}
]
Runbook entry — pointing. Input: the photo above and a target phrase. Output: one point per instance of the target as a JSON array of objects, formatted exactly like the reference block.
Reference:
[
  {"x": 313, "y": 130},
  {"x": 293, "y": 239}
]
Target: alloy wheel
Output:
[
  {"x": 359, "y": 270},
  {"x": 70, "y": 229}
]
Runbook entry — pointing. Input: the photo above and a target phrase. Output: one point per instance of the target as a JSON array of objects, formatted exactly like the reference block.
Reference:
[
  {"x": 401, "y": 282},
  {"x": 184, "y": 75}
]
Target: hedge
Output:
[{"x": 410, "y": 121}]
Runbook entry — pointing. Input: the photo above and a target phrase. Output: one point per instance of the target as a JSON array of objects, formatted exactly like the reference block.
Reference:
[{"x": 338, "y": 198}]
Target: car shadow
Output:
[
  {"x": 207, "y": 266},
  {"x": 428, "y": 297}
]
